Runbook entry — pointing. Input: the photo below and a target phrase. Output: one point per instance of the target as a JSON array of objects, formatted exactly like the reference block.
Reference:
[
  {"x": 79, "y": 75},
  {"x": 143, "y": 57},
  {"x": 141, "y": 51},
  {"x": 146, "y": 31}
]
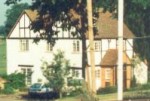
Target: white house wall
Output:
[
  {"x": 37, "y": 53},
  {"x": 129, "y": 48}
]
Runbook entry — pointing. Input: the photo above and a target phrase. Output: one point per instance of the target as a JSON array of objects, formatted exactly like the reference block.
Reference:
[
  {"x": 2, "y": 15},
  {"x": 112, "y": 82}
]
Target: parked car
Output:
[{"x": 39, "y": 90}]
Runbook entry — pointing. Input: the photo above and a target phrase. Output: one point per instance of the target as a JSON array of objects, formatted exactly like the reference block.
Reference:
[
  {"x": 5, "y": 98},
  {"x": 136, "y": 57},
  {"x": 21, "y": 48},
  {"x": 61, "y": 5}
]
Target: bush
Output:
[
  {"x": 110, "y": 89},
  {"x": 140, "y": 87},
  {"x": 144, "y": 86},
  {"x": 75, "y": 82},
  {"x": 7, "y": 90},
  {"x": 15, "y": 81},
  {"x": 75, "y": 86},
  {"x": 133, "y": 82},
  {"x": 76, "y": 92}
]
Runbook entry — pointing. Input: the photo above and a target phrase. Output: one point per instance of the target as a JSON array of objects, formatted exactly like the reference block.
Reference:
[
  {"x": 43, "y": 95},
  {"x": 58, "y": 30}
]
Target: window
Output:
[
  {"x": 107, "y": 84},
  {"x": 24, "y": 45},
  {"x": 75, "y": 73},
  {"x": 107, "y": 73},
  {"x": 49, "y": 47},
  {"x": 27, "y": 72},
  {"x": 97, "y": 73},
  {"x": 76, "y": 46},
  {"x": 97, "y": 46}
]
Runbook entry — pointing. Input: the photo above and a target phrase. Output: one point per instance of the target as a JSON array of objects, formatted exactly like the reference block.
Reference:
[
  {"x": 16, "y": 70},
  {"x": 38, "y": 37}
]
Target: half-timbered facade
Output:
[{"x": 23, "y": 55}]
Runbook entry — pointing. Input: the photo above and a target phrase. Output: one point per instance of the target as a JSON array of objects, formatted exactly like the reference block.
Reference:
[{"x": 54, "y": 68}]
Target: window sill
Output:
[
  {"x": 48, "y": 51},
  {"x": 23, "y": 51},
  {"x": 76, "y": 52}
]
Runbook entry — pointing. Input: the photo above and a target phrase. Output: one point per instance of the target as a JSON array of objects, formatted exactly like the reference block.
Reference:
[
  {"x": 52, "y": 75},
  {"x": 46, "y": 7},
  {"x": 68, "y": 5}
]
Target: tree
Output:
[
  {"x": 2, "y": 30},
  {"x": 13, "y": 14},
  {"x": 57, "y": 72}
]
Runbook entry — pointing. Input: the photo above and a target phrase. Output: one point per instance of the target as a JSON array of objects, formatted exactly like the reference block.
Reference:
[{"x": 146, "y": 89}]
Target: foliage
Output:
[
  {"x": 76, "y": 92},
  {"x": 106, "y": 90},
  {"x": 86, "y": 94},
  {"x": 8, "y": 90},
  {"x": 2, "y": 56},
  {"x": 138, "y": 92},
  {"x": 2, "y": 30},
  {"x": 148, "y": 76},
  {"x": 75, "y": 82},
  {"x": 75, "y": 85},
  {"x": 133, "y": 81},
  {"x": 57, "y": 72},
  {"x": 136, "y": 60},
  {"x": 13, "y": 14},
  {"x": 73, "y": 14},
  {"x": 15, "y": 80}
]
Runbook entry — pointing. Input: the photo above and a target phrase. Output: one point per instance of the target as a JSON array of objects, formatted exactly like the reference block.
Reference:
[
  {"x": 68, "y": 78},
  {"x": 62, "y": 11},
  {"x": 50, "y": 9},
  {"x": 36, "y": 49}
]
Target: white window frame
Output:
[
  {"x": 76, "y": 46},
  {"x": 97, "y": 73},
  {"x": 28, "y": 78},
  {"x": 49, "y": 47},
  {"x": 24, "y": 45},
  {"x": 108, "y": 74},
  {"x": 97, "y": 46},
  {"x": 75, "y": 73}
]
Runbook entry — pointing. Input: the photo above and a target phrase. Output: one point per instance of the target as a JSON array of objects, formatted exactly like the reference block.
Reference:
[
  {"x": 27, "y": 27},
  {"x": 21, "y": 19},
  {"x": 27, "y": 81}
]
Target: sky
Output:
[{"x": 3, "y": 9}]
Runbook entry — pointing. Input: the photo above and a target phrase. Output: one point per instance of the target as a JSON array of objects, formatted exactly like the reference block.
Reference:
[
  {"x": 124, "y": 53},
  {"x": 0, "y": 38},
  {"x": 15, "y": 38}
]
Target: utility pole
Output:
[
  {"x": 120, "y": 48},
  {"x": 91, "y": 42}
]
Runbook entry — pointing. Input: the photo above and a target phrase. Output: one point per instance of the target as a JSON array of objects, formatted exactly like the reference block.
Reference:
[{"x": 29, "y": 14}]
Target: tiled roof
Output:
[
  {"x": 111, "y": 58},
  {"x": 107, "y": 25},
  {"x": 31, "y": 14}
]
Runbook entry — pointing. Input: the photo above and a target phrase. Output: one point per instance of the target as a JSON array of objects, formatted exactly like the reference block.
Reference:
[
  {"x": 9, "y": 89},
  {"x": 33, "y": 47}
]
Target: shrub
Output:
[
  {"x": 14, "y": 82},
  {"x": 76, "y": 92},
  {"x": 106, "y": 90},
  {"x": 144, "y": 86},
  {"x": 75, "y": 82},
  {"x": 8, "y": 90}
]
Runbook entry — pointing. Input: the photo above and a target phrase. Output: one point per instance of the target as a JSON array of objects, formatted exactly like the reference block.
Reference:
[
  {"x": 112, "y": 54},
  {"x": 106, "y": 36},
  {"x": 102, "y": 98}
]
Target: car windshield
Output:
[{"x": 36, "y": 85}]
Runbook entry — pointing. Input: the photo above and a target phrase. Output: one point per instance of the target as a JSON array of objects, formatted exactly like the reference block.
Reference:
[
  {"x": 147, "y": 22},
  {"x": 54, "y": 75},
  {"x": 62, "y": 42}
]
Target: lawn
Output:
[
  {"x": 2, "y": 56},
  {"x": 107, "y": 97},
  {"x": 69, "y": 99}
]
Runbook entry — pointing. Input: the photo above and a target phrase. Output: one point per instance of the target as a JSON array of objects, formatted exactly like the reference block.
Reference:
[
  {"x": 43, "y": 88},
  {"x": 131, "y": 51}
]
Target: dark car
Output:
[{"x": 39, "y": 90}]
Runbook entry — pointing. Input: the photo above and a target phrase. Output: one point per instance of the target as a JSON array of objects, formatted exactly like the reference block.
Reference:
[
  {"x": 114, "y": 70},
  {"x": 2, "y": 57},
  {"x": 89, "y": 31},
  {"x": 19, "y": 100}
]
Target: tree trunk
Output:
[{"x": 84, "y": 56}]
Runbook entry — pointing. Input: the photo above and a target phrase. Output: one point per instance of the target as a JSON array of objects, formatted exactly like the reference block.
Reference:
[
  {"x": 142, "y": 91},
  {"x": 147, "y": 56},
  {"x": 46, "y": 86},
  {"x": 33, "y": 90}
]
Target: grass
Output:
[
  {"x": 107, "y": 97},
  {"x": 103, "y": 97},
  {"x": 69, "y": 99},
  {"x": 2, "y": 56}
]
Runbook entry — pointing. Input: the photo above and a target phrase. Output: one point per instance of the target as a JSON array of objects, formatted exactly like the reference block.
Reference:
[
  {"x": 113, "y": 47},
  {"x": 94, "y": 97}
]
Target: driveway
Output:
[{"x": 20, "y": 97}]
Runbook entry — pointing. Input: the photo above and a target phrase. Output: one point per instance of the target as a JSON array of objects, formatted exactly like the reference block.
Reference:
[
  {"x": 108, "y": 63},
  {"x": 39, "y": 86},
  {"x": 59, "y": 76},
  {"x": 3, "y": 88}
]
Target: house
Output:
[{"x": 23, "y": 55}]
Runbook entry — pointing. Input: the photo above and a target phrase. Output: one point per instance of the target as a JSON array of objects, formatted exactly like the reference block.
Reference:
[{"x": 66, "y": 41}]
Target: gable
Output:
[
  {"x": 21, "y": 29},
  {"x": 111, "y": 58}
]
